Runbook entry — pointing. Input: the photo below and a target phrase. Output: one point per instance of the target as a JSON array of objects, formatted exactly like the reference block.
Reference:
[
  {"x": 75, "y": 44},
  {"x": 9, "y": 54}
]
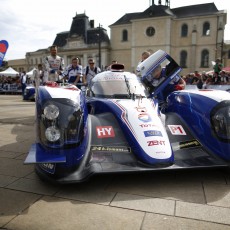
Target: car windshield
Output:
[{"x": 123, "y": 89}]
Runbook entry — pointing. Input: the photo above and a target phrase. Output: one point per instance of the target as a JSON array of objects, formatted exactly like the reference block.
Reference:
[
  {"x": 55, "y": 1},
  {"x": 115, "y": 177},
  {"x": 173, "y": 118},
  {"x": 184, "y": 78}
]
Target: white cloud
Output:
[{"x": 31, "y": 25}]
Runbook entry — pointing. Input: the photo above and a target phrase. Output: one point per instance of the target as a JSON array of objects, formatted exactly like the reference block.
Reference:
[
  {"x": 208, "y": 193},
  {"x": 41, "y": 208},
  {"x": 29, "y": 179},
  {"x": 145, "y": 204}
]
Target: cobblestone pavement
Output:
[{"x": 160, "y": 200}]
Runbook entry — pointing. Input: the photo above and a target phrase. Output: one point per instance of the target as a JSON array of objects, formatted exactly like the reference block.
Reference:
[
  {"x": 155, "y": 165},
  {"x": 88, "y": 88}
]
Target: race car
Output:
[
  {"x": 118, "y": 126},
  {"x": 29, "y": 93}
]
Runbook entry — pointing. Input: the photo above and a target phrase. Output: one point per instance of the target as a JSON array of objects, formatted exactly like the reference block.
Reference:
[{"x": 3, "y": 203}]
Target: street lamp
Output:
[
  {"x": 222, "y": 50},
  {"x": 99, "y": 45}
]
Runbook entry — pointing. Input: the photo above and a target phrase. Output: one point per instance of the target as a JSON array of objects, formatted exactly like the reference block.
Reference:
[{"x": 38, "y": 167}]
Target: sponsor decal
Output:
[
  {"x": 176, "y": 130},
  {"x": 3, "y": 48},
  {"x": 105, "y": 131},
  {"x": 110, "y": 149},
  {"x": 144, "y": 117},
  {"x": 155, "y": 142},
  {"x": 48, "y": 167},
  {"x": 150, "y": 133},
  {"x": 147, "y": 125},
  {"x": 116, "y": 77},
  {"x": 189, "y": 144},
  {"x": 160, "y": 152}
]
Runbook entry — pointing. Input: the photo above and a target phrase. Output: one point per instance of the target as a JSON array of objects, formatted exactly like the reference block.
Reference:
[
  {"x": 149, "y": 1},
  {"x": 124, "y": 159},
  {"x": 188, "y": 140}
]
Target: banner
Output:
[{"x": 3, "y": 48}]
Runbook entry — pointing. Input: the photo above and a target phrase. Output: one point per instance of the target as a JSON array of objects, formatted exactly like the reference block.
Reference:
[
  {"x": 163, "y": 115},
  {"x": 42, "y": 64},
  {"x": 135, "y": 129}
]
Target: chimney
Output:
[{"x": 91, "y": 22}]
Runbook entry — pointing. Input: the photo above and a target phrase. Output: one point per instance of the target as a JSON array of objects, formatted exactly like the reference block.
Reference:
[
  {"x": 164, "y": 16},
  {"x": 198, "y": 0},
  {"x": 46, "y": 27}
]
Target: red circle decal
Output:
[{"x": 2, "y": 48}]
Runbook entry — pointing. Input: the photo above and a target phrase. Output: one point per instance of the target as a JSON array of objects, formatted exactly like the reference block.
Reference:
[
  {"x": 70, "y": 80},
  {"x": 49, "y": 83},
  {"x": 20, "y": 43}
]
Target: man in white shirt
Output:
[
  {"x": 23, "y": 82},
  {"x": 90, "y": 71},
  {"x": 53, "y": 65}
]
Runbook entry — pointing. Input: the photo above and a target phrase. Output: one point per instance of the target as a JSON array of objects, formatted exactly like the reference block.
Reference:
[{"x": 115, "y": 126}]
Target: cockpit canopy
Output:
[
  {"x": 149, "y": 69},
  {"x": 123, "y": 85}
]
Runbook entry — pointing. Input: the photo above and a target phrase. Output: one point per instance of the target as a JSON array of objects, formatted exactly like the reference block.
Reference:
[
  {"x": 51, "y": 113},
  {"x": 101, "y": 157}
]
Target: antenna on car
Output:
[{"x": 117, "y": 67}]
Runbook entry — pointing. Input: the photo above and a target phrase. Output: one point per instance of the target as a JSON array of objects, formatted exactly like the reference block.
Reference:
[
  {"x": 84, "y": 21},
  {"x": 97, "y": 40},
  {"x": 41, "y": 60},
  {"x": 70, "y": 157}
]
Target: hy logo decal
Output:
[
  {"x": 105, "y": 131},
  {"x": 3, "y": 48}
]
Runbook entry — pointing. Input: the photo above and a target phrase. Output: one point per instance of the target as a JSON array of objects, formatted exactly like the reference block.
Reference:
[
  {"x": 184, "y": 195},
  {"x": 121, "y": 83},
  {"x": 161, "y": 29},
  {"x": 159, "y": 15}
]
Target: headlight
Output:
[
  {"x": 52, "y": 134},
  {"x": 60, "y": 123},
  {"x": 220, "y": 120},
  {"x": 51, "y": 112}
]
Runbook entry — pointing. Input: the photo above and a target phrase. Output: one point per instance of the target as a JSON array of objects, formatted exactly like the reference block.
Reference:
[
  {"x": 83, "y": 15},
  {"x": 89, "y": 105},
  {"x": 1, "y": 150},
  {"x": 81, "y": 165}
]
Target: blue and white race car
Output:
[
  {"x": 29, "y": 93},
  {"x": 117, "y": 126}
]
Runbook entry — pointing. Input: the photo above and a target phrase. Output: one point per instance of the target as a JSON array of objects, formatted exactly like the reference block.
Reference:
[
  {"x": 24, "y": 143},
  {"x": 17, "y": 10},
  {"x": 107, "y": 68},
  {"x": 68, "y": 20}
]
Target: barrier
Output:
[{"x": 10, "y": 89}]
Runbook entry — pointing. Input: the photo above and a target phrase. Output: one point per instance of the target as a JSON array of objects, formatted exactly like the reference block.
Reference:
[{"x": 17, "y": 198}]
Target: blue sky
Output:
[{"x": 31, "y": 25}]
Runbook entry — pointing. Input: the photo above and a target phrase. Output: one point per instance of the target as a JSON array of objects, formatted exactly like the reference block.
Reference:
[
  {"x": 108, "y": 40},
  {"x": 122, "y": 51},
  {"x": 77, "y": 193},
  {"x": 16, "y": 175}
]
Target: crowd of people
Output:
[
  {"x": 53, "y": 69},
  {"x": 202, "y": 80}
]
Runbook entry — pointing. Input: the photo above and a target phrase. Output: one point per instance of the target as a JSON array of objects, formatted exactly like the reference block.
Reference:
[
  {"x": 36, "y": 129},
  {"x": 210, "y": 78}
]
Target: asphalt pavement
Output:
[{"x": 158, "y": 200}]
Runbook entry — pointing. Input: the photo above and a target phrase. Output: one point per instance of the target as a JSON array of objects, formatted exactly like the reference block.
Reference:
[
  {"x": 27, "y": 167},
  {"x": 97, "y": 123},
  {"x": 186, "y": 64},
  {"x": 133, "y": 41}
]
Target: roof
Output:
[
  {"x": 161, "y": 11},
  {"x": 61, "y": 39},
  {"x": 81, "y": 28},
  {"x": 195, "y": 10}
]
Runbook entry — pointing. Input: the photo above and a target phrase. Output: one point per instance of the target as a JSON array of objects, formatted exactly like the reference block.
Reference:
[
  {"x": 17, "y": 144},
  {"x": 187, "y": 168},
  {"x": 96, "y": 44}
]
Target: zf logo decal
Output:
[
  {"x": 105, "y": 131},
  {"x": 176, "y": 130},
  {"x": 155, "y": 142}
]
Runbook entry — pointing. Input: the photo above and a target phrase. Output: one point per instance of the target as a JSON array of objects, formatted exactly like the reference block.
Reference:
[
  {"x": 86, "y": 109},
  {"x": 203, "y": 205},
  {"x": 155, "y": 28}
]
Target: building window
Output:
[
  {"x": 204, "y": 58},
  {"x": 183, "y": 59},
  {"x": 124, "y": 35},
  {"x": 184, "y": 30},
  {"x": 228, "y": 54},
  {"x": 150, "y": 31},
  {"x": 206, "y": 29},
  {"x": 31, "y": 61}
]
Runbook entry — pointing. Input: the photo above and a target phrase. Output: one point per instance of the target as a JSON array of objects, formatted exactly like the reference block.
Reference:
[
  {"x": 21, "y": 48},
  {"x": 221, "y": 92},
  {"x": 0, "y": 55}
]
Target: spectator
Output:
[
  {"x": 113, "y": 62},
  {"x": 217, "y": 67},
  {"x": 53, "y": 65},
  {"x": 73, "y": 72},
  {"x": 196, "y": 77},
  {"x": 207, "y": 82},
  {"x": 38, "y": 75},
  {"x": 90, "y": 71},
  {"x": 23, "y": 82},
  {"x": 223, "y": 77},
  {"x": 216, "y": 78},
  {"x": 144, "y": 56}
]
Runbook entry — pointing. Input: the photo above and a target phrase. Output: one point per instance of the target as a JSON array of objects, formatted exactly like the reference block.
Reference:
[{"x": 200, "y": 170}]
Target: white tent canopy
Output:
[
  {"x": 9, "y": 72},
  {"x": 30, "y": 73}
]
